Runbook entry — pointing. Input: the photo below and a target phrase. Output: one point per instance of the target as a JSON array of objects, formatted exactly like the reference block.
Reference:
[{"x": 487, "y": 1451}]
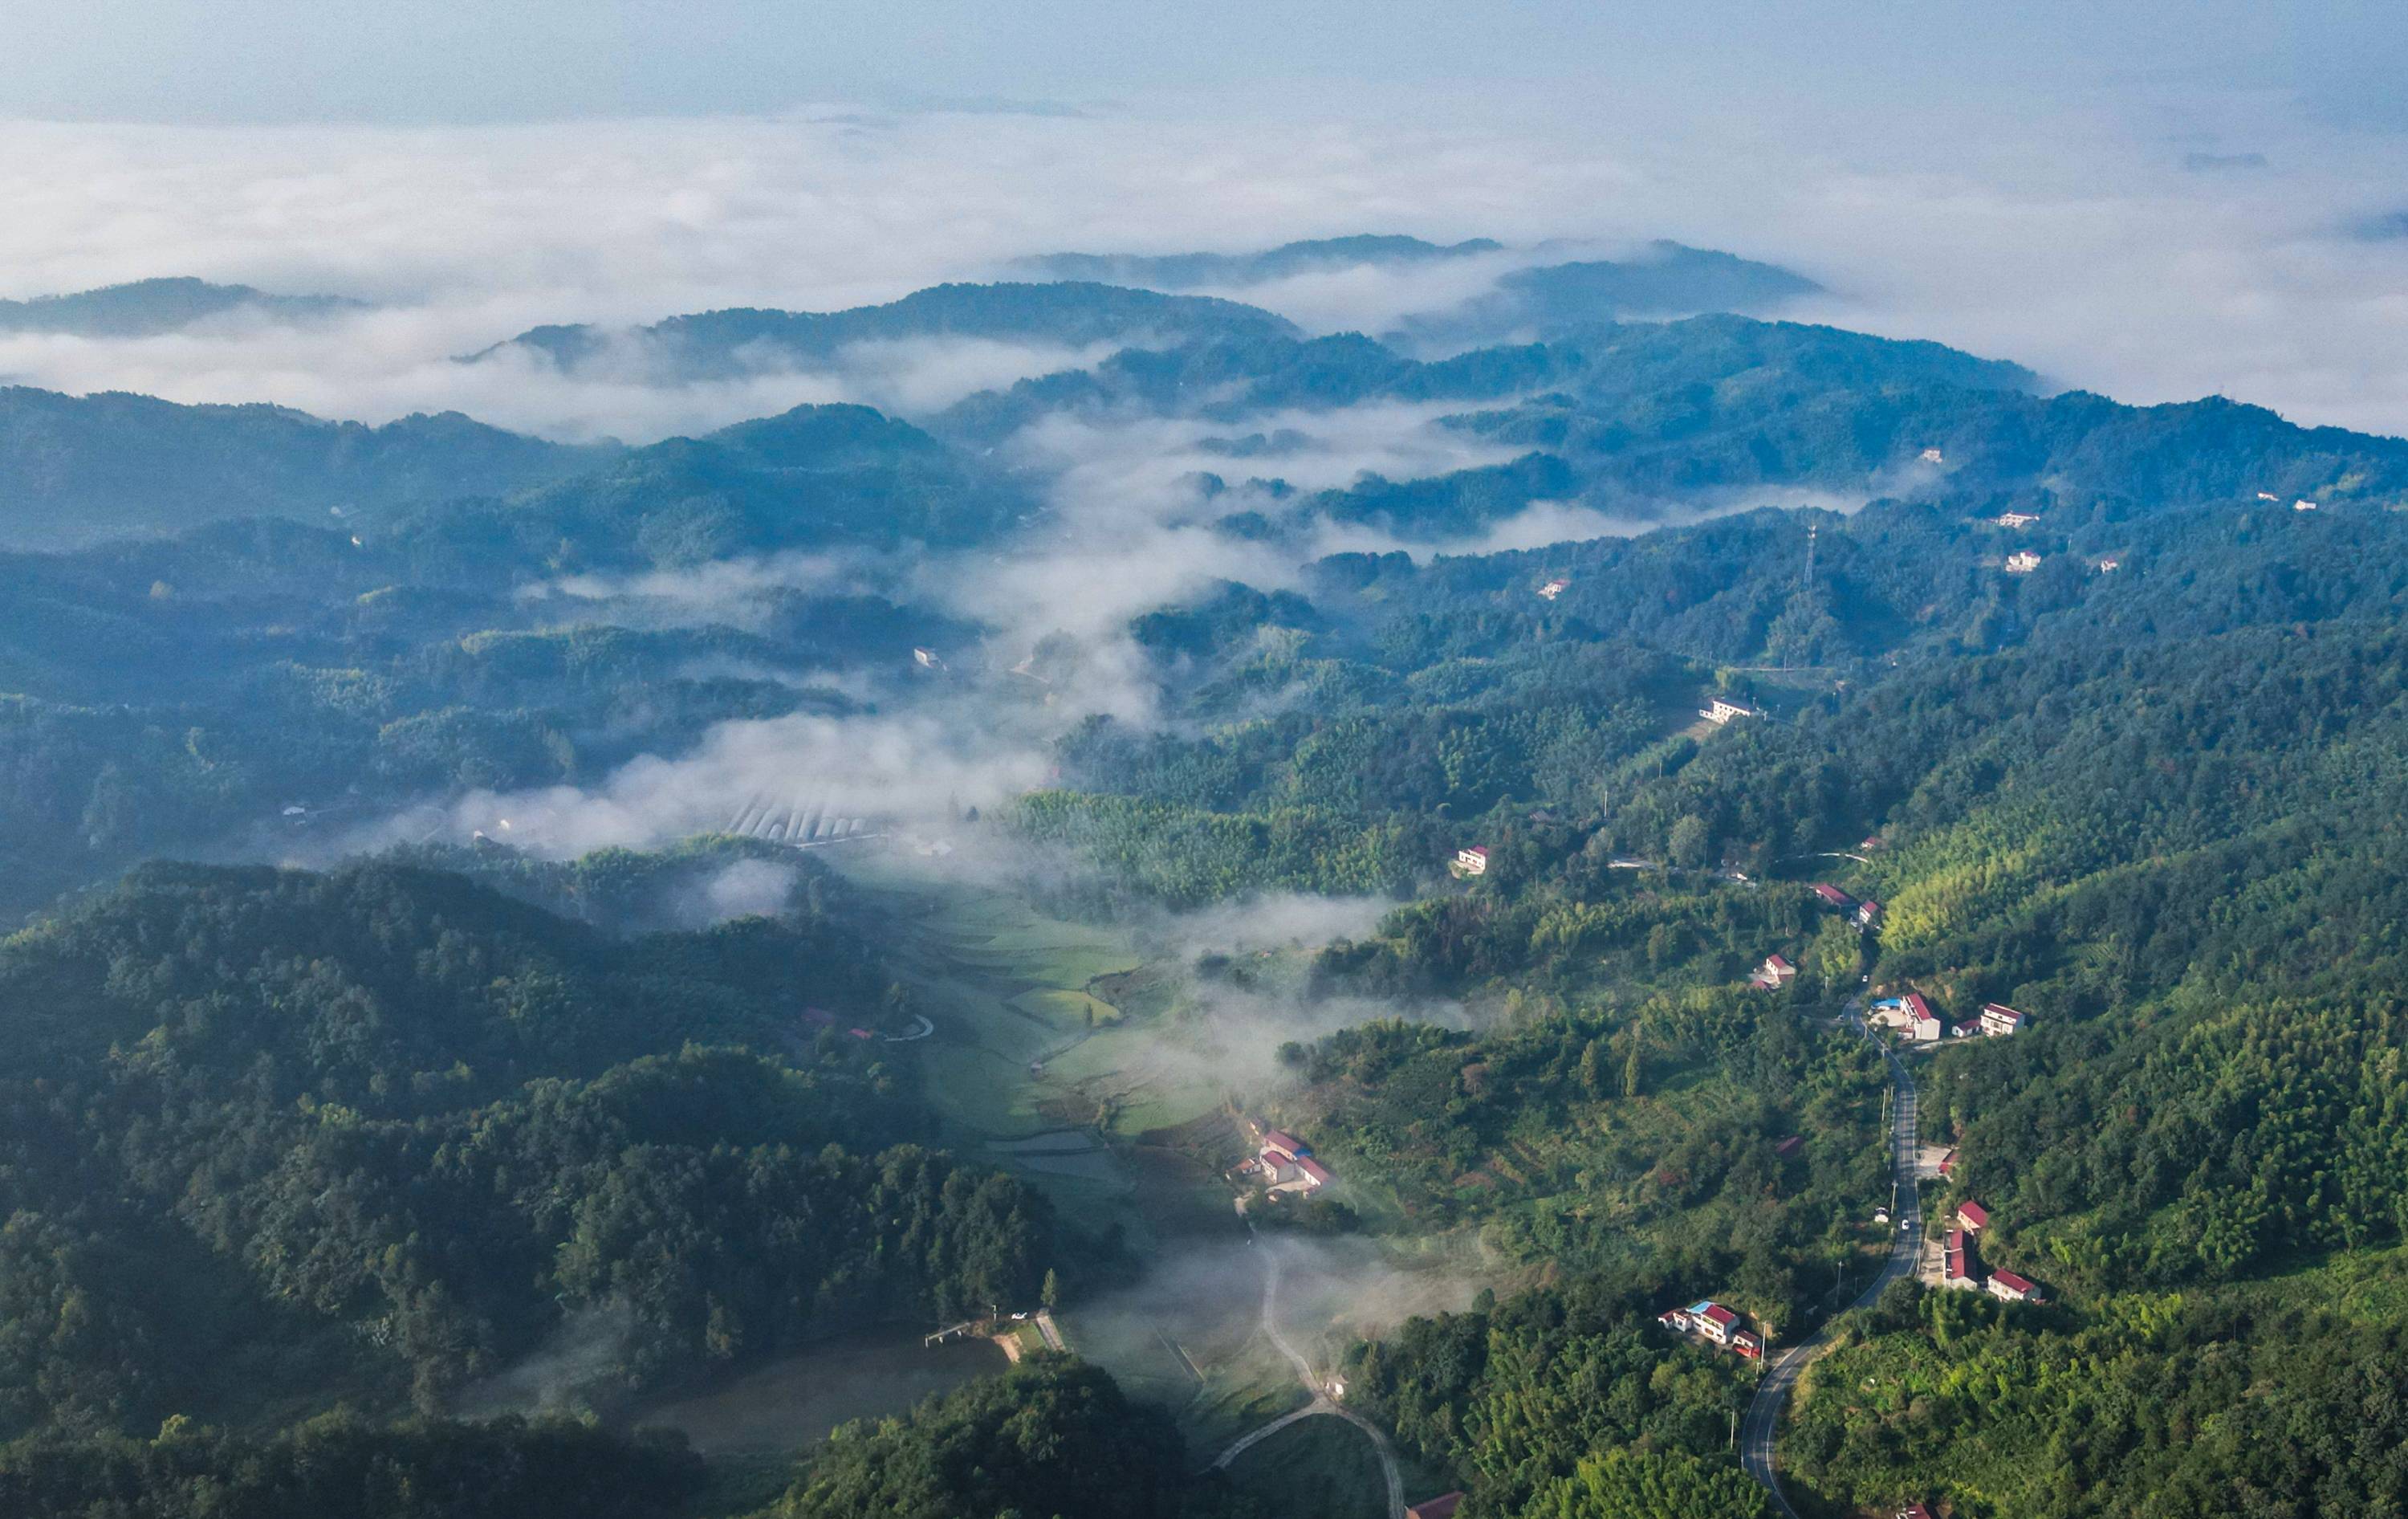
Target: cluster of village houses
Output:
[
  {"x": 1284, "y": 1162},
  {"x": 1916, "y": 1024},
  {"x": 1957, "y": 1266}
]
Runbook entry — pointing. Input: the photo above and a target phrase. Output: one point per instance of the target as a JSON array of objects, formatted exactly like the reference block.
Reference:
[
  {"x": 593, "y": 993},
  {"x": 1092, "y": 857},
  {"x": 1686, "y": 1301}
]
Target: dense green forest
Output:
[{"x": 377, "y": 1133}]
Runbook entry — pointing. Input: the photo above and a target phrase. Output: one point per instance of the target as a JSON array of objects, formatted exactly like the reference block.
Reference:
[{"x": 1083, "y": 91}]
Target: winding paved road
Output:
[{"x": 1763, "y": 1421}]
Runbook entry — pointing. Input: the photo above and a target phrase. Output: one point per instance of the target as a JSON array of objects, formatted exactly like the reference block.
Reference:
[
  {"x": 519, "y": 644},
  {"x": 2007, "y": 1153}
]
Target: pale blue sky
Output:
[{"x": 437, "y": 61}]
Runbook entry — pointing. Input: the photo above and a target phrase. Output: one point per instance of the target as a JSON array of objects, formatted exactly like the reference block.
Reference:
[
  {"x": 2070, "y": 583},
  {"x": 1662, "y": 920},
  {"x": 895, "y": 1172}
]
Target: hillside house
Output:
[
  {"x": 1948, "y": 1166},
  {"x": 1554, "y": 589},
  {"x": 2267, "y": 495},
  {"x": 1931, "y": 456},
  {"x": 2014, "y": 1289},
  {"x": 1999, "y": 1021},
  {"x": 1307, "y": 1176},
  {"x": 2109, "y": 566},
  {"x": 1911, "y": 1015},
  {"x": 1972, "y": 1217},
  {"x": 1718, "y": 711},
  {"x": 2022, "y": 563},
  {"x": 1711, "y": 1322},
  {"x": 1956, "y": 1262},
  {"x": 2015, "y": 519},
  {"x": 1715, "y": 1322},
  {"x": 1286, "y": 1146},
  {"x": 1440, "y": 1507},
  {"x": 1789, "y": 1146},
  {"x": 1470, "y": 861},
  {"x": 1868, "y": 914},
  {"x": 1833, "y": 896},
  {"x": 1969, "y": 1029},
  {"x": 1773, "y": 974},
  {"x": 1748, "y": 1345},
  {"x": 2304, "y": 506},
  {"x": 1914, "y": 1510},
  {"x": 926, "y": 659}
]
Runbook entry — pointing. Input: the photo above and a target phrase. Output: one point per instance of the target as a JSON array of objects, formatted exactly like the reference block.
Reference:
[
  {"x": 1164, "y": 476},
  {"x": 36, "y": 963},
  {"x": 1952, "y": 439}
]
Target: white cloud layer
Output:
[{"x": 2072, "y": 238}]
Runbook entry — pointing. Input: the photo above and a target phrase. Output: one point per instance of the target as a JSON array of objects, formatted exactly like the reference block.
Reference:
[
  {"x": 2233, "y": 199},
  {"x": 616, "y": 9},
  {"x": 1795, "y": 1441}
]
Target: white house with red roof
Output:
[
  {"x": 1833, "y": 896},
  {"x": 1971, "y": 1216},
  {"x": 2014, "y": 1289},
  {"x": 1868, "y": 914},
  {"x": 1470, "y": 861},
  {"x": 1775, "y": 972},
  {"x": 1999, "y": 1021},
  {"x": 1711, "y": 1322},
  {"x": 1716, "y": 1322},
  {"x": 1554, "y": 588},
  {"x": 1718, "y": 711}
]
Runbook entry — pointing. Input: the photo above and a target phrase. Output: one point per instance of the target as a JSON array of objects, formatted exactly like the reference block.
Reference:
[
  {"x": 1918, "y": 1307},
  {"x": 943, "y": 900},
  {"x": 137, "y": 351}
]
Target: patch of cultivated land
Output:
[{"x": 1316, "y": 1468}]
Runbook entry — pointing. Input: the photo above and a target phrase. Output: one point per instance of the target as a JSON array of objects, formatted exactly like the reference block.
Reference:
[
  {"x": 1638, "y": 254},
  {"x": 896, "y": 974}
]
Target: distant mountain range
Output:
[
  {"x": 1196, "y": 271},
  {"x": 1557, "y": 300},
  {"x": 147, "y": 308},
  {"x": 717, "y": 344},
  {"x": 1538, "y": 299}
]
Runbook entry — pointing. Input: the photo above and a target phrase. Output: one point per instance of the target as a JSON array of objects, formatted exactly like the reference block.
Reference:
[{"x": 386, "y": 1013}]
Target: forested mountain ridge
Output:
[
  {"x": 76, "y": 470},
  {"x": 384, "y": 1130}
]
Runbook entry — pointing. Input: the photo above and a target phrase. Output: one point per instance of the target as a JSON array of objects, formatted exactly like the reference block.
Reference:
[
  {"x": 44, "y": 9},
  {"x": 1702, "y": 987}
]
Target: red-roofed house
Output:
[
  {"x": 1956, "y": 1263},
  {"x": 1470, "y": 861},
  {"x": 2014, "y": 1288},
  {"x": 1440, "y": 1507},
  {"x": 1921, "y": 1024},
  {"x": 1748, "y": 1345},
  {"x": 1717, "y": 1323},
  {"x": 1313, "y": 1177},
  {"x": 1999, "y": 1020},
  {"x": 1286, "y": 1143},
  {"x": 1914, "y": 1510},
  {"x": 1948, "y": 1165},
  {"x": 1789, "y": 1146},
  {"x": 1868, "y": 914},
  {"x": 1772, "y": 973},
  {"x": 1833, "y": 896},
  {"x": 1969, "y": 1029},
  {"x": 1972, "y": 1217}
]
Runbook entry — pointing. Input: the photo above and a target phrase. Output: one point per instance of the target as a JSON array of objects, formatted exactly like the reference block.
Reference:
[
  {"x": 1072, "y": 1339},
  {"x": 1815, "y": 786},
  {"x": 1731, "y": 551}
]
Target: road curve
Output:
[{"x": 1763, "y": 1422}]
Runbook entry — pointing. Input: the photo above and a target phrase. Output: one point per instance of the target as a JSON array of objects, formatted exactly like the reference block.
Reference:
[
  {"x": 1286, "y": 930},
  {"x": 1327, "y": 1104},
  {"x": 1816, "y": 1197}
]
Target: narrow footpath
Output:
[
  {"x": 1763, "y": 1422},
  {"x": 1322, "y": 1403}
]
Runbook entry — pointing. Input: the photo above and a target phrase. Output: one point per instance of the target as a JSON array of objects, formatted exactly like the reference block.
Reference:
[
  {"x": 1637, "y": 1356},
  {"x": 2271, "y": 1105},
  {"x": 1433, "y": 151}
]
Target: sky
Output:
[
  {"x": 2157, "y": 202},
  {"x": 425, "y": 62}
]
